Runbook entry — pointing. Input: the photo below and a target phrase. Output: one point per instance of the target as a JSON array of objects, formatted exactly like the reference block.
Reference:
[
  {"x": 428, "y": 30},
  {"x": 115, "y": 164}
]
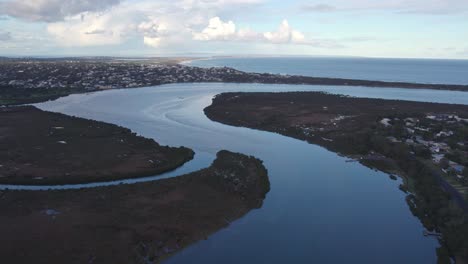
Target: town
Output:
[{"x": 93, "y": 75}]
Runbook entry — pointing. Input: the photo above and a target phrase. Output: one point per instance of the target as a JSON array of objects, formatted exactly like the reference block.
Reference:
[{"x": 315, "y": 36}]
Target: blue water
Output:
[
  {"x": 203, "y": 159},
  {"x": 320, "y": 209},
  {"x": 400, "y": 70}
]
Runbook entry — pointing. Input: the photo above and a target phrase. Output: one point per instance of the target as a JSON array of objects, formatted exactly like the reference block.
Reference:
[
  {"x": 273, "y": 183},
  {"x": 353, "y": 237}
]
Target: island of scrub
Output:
[
  {"x": 139, "y": 223},
  {"x": 424, "y": 143},
  {"x": 43, "y": 148}
]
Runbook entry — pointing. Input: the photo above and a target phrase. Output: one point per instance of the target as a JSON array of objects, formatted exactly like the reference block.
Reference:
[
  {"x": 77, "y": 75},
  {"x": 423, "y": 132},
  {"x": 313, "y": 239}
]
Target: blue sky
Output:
[{"x": 371, "y": 28}]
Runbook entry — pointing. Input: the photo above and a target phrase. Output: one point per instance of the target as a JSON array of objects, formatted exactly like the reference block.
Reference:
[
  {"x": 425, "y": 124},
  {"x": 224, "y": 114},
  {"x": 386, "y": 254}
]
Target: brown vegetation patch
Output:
[
  {"x": 138, "y": 223},
  {"x": 38, "y": 147}
]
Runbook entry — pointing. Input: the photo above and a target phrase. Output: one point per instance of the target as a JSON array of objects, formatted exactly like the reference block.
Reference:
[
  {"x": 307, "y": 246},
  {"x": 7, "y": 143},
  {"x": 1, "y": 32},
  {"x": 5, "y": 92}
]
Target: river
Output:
[{"x": 320, "y": 209}]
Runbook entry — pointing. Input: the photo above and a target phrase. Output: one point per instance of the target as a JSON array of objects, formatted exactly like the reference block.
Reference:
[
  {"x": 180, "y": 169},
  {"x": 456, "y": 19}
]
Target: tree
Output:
[
  {"x": 444, "y": 163},
  {"x": 422, "y": 152}
]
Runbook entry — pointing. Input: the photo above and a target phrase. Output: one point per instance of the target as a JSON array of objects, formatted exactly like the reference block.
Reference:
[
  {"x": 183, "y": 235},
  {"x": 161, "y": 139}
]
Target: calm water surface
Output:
[
  {"x": 320, "y": 209},
  {"x": 399, "y": 70}
]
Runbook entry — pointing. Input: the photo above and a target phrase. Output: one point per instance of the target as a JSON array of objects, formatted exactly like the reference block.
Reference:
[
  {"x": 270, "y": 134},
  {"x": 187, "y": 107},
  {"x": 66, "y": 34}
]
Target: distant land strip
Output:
[
  {"x": 32, "y": 81},
  {"x": 305, "y": 80}
]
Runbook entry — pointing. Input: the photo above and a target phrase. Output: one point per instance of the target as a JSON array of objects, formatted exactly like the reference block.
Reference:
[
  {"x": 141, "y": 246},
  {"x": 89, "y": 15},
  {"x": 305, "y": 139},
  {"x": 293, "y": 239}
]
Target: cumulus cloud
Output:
[
  {"x": 156, "y": 23},
  {"x": 154, "y": 42},
  {"x": 285, "y": 34},
  {"x": 218, "y": 30},
  {"x": 91, "y": 30},
  {"x": 52, "y": 10},
  {"x": 153, "y": 28},
  {"x": 154, "y": 32}
]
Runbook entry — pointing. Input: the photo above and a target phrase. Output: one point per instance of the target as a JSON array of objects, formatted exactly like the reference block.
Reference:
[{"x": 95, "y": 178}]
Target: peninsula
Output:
[
  {"x": 137, "y": 223},
  {"x": 424, "y": 143},
  {"x": 38, "y": 147}
]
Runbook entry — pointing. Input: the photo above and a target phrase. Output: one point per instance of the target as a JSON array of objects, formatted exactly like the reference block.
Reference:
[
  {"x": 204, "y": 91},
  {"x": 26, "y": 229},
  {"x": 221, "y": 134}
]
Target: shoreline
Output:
[{"x": 187, "y": 62}]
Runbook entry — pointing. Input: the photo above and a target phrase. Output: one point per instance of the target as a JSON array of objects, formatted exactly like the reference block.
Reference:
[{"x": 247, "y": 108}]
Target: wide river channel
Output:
[{"x": 321, "y": 209}]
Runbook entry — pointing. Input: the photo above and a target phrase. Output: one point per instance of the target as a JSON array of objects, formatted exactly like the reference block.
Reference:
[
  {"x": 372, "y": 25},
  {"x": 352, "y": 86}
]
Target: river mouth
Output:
[{"x": 318, "y": 202}]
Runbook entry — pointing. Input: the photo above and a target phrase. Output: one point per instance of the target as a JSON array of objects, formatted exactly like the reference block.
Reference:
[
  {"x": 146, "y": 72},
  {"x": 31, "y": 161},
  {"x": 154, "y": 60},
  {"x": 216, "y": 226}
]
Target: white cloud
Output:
[
  {"x": 154, "y": 42},
  {"x": 217, "y": 30},
  {"x": 152, "y": 28},
  {"x": 285, "y": 34},
  {"x": 52, "y": 10},
  {"x": 154, "y": 32},
  {"x": 156, "y": 23},
  {"x": 91, "y": 29}
]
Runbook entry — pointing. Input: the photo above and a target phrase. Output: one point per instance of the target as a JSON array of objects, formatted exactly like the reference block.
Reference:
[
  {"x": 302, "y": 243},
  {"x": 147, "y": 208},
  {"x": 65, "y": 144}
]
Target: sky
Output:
[{"x": 367, "y": 28}]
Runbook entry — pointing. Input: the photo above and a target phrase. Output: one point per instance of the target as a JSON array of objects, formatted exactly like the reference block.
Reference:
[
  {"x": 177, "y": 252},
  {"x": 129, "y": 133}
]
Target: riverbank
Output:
[
  {"x": 137, "y": 223},
  {"x": 44, "y": 148},
  {"x": 389, "y": 135}
]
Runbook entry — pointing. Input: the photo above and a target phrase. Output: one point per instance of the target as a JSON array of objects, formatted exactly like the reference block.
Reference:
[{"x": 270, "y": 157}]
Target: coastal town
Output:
[{"x": 93, "y": 75}]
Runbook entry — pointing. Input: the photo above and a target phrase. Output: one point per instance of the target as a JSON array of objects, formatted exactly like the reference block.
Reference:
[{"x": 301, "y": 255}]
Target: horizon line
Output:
[{"x": 215, "y": 56}]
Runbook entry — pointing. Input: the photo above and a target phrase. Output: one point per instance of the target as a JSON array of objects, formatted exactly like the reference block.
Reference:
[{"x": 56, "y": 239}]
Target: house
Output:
[
  {"x": 435, "y": 149},
  {"x": 444, "y": 134},
  {"x": 385, "y": 122},
  {"x": 437, "y": 157},
  {"x": 393, "y": 139},
  {"x": 457, "y": 168}
]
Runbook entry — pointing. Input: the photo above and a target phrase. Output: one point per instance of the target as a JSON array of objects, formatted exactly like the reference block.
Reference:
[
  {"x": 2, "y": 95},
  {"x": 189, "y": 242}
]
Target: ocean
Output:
[{"x": 399, "y": 70}]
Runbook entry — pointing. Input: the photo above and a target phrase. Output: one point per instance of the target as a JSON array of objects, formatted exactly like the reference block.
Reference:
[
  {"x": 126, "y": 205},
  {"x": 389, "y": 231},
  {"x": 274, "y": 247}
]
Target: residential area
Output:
[
  {"x": 98, "y": 74},
  {"x": 441, "y": 138}
]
